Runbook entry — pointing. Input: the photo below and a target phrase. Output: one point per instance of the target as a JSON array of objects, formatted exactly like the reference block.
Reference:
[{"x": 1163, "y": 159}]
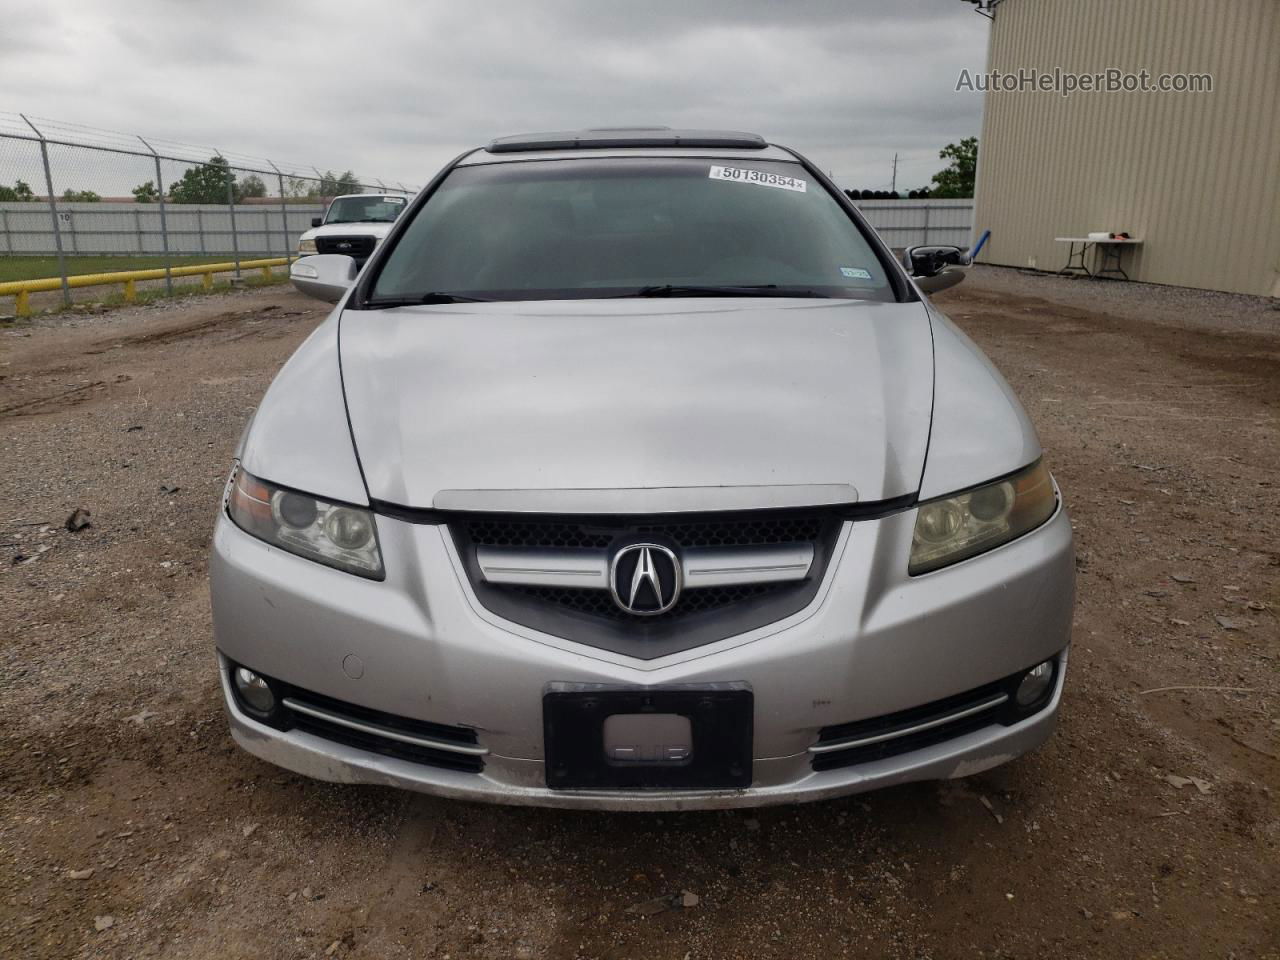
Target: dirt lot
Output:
[{"x": 131, "y": 827}]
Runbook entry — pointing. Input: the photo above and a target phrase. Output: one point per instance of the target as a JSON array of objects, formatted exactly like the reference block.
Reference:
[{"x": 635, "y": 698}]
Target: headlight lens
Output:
[
  {"x": 306, "y": 246},
  {"x": 330, "y": 533},
  {"x": 955, "y": 528}
]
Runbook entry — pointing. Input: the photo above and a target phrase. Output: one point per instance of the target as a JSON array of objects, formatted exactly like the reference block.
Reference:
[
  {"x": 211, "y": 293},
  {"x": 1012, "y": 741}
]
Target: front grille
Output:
[
  {"x": 598, "y": 603},
  {"x": 890, "y": 735},
  {"x": 702, "y": 614},
  {"x": 360, "y": 247},
  {"x": 743, "y": 530}
]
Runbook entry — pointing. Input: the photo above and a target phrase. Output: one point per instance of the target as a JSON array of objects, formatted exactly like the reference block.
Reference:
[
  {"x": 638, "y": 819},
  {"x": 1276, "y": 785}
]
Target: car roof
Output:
[
  {"x": 627, "y": 141},
  {"x": 348, "y": 196},
  {"x": 605, "y": 137}
]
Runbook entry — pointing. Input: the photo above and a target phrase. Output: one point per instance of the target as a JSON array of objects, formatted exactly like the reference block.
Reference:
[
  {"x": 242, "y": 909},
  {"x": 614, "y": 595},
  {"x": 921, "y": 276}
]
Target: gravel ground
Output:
[{"x": 130, "y": 826}]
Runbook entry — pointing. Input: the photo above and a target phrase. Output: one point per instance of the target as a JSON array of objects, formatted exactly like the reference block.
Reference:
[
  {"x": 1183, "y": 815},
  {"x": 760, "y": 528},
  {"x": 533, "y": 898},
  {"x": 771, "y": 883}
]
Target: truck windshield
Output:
[
  {"x": 365, "y": 209},
  {"x": 616, "y": 227}
]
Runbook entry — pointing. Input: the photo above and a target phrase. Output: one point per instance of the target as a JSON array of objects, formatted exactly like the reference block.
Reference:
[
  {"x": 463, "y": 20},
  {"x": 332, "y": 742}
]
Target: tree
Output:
[
  {"x": 80, "y": 196},
  {"x": 297, "y": 188},
  {"x": 20, "y": 192},
  {"x": 250, "y": 186},
  {"x": 146, "y": 193},
  {"x": 956, "y": 180},
  {"x": 332, "y": 185},
  {"x": 205, "y": 183}
]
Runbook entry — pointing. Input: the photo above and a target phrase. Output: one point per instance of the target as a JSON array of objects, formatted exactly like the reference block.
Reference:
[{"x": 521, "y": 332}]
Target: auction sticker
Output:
[
  {"x": 855, "y": 273},
  {"x": 759, "y": 178}
]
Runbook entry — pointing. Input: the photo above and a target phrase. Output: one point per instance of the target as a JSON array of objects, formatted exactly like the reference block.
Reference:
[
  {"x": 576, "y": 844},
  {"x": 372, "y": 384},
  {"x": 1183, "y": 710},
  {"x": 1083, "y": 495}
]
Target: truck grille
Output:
[{"x": 359, "y": 247}]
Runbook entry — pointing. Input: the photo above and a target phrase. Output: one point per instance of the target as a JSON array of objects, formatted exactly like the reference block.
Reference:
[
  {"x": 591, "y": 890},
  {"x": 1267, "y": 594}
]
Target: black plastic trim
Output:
[
  {"x": 1005, "y": 714},
  {"x": 871, "y": 510},
  {"x": 282, "y": 718},
  {"x": 639, "y": 137},
  {"x": 419, "y": 515},
  {"x": 383, "y": 746}
]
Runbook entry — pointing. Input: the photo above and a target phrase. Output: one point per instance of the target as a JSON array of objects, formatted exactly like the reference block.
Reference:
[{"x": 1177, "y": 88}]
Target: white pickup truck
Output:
[{"x": 353, "y": 225}]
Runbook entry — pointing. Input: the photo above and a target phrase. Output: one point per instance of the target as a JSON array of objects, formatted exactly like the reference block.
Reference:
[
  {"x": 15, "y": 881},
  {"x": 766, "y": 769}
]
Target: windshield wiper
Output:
[
  {"x": 744, "y": 290},
  {"x": 422, "y": 298}
]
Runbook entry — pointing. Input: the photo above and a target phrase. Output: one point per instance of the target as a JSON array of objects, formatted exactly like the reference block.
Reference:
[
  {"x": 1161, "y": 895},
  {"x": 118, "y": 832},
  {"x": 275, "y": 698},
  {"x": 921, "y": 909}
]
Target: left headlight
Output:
[
  {"x": 306, "y": 247},
  {"x": 334, "y": 534},
  {"x": 951, "y": 529}
]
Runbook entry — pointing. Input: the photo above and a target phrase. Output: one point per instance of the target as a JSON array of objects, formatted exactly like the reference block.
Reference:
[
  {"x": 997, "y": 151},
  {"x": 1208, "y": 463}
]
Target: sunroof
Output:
[{"x": 606, "y": 137}]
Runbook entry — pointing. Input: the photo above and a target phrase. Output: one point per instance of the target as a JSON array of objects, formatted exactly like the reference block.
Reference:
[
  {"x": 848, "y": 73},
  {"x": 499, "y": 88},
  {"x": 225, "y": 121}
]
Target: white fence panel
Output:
[
  {"x": 906, "y": 223},
  {"x": 134, "y": 228}
]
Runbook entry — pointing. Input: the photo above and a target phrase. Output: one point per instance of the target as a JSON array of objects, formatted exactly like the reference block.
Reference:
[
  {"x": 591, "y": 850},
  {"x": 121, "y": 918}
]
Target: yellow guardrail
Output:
[{"x": 22, "y": 289}]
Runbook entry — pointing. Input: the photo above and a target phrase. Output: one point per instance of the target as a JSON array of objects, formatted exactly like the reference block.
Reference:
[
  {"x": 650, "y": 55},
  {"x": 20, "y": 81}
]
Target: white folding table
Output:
[{"x": 1111, "y": 249}]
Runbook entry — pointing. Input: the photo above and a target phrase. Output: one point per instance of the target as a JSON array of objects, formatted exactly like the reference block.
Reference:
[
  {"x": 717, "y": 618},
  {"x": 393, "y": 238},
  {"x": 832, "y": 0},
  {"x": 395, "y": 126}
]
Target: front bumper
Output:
[{"x": 418, "y": 645}]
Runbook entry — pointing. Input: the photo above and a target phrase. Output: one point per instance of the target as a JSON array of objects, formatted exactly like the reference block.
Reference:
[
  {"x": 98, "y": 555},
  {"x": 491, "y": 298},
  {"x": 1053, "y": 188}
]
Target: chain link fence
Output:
[{"x": 76, "y": 201}]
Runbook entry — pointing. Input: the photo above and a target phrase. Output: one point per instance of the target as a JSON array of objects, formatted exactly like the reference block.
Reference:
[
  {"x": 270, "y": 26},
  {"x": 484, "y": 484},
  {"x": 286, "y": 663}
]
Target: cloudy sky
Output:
[{"x": 395, "y": 89}]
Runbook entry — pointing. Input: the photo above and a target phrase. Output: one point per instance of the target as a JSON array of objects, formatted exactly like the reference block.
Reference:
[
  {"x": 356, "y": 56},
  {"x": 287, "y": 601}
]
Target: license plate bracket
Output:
[{"x": 720, "y": 721}]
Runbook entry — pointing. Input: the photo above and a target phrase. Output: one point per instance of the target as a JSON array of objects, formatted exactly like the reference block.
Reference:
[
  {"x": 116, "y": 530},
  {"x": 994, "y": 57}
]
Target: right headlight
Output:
[
  {"x": 334, "y": 534},
  {"x": 951, "y": 529},
  {"x": 306, "y": 247}
]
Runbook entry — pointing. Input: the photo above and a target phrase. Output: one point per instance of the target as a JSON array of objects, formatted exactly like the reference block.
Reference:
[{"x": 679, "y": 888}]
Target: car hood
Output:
[
  {"x": 587, "y": 406},
  {"x": 379, "y": 230}
]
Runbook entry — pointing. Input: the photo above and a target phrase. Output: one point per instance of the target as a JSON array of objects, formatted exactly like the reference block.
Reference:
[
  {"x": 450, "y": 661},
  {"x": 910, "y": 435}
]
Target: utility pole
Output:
[{"x": 893, "y": 185}]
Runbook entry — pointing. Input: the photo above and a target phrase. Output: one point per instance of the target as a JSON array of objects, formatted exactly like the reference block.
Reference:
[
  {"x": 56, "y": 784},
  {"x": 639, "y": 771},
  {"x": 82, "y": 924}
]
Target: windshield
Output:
[
  {"x": 365, "y": 209},
  {"x": 559, "y": 229}
]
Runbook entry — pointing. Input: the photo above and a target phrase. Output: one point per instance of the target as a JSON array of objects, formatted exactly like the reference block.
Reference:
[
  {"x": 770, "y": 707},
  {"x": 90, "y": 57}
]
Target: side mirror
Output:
[
  {"x": 928, "y": 266},
  {"x": 317, "y": 221},
  {"x": 327, "y": 276}
]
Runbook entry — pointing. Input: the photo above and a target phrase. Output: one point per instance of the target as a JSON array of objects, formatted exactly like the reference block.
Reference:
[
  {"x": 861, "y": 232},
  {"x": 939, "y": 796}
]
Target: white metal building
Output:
[{"x": 1194, "y": 175}]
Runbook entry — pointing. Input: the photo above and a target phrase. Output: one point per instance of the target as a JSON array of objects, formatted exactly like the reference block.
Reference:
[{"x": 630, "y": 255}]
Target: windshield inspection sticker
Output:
[
  {"x": 760, "y": 178},
  {"x": 855, "y": 273}
]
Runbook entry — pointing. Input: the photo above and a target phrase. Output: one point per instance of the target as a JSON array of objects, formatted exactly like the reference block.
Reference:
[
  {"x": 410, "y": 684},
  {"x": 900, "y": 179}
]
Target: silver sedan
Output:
[{"x": 633, "y": 472}]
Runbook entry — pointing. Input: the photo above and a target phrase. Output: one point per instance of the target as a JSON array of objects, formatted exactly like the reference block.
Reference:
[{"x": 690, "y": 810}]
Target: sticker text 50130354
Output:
[{"x": 759, "y": 178}]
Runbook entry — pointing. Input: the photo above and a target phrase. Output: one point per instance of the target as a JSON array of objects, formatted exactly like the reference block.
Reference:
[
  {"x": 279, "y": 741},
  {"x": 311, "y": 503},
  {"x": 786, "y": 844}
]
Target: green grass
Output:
[{"x": 36, "y": 268}]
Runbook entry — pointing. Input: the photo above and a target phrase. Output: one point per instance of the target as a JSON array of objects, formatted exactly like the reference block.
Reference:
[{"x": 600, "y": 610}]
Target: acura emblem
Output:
[{"x": 644, "y": 579}]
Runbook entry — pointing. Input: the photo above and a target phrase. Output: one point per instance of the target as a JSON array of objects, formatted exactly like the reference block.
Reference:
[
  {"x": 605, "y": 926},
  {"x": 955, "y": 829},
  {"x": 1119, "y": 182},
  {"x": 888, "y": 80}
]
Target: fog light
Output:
[
  {"x": 255, "y": 692},
  {"x": 1035, "y": 684}
]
